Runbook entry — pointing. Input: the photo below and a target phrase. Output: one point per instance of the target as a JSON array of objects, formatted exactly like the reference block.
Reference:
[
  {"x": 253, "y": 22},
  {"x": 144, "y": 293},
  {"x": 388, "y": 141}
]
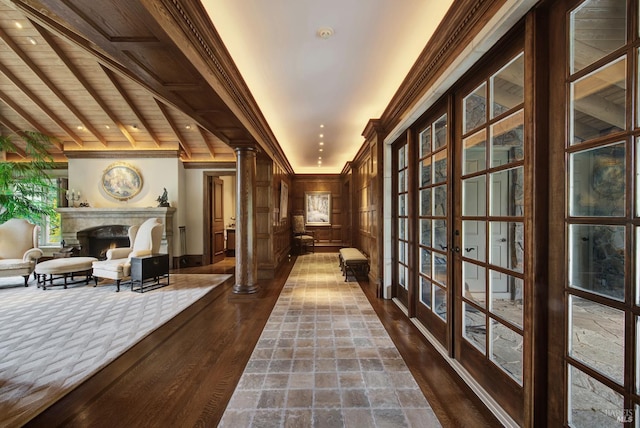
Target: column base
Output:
[{"x": 245, "y": 289}]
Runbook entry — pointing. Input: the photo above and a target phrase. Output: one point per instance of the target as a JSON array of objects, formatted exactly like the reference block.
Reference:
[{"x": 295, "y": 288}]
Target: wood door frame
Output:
[{"x": 206, "y": 213}]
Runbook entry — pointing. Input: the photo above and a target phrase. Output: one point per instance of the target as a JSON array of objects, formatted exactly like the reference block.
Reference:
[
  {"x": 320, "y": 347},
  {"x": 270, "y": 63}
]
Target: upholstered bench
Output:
[
  {"x": 354, "y": 260},
  {"x": 63, "y": 268}
]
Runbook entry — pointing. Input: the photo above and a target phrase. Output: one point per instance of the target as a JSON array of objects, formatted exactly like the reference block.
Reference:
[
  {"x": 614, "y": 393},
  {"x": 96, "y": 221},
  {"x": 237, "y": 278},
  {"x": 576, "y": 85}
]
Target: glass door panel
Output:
[
  {"x": 433, "y": 246},
  {"x": 491, "y": 257},
  {"x": 401, "y": 181}
]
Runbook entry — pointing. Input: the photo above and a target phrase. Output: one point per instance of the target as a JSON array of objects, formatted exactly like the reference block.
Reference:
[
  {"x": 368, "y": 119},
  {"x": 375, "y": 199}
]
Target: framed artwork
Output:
[
  {"x": 284, "y": 200},
  {"x": 121, "y": 181},
  {"x": 317, "y": 208}
]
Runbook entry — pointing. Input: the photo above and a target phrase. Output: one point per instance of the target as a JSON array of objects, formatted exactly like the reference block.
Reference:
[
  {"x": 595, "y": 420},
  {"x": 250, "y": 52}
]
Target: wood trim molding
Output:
[
  {"x": 107, "y": 154},
  {"x": 463, "y": 21},
  {"x": 194, "y": 21}
]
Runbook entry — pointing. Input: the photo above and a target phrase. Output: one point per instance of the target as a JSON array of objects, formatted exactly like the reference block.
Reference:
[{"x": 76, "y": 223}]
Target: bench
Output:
[{"x": 352, "y": 259}]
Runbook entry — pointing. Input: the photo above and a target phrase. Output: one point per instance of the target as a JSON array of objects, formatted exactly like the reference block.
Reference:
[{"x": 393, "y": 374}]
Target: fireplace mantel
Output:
[{"x": 73, "y": 220}]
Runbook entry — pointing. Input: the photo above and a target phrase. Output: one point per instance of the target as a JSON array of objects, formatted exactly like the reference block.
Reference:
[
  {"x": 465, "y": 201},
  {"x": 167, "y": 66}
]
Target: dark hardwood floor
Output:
[{"x": 184, "y": 373}]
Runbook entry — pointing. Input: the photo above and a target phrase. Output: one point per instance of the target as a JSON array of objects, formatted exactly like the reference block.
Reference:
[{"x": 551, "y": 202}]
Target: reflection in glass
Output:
[
  {"x": 596, "y": 337},
  {"x": 475, "y": 108},
  {"x": 440, "y": 235},
  {"x": 507, "y": 245},
  {"x": 402, "y": 255},
  {"x": 474, "y": 155},
  {"x": 591, "y": 403},
  {"x": 440, "y": 268},
  {"x": 425, "y": 202},
  {"x": 507, "y": 87},
  {"x": 440, "y": 200},
  {"x": 474, "y": 283},
  {"x": 475, "y": 327},
  {"x": 598, "y": 181},
  {"x": 402, "y": 159},
  {"x": 425, "y": 232},
  {"x": 473, "y": 240},
  {"x": 402, "y": 181},
  {"x": 507, "y": 192},
  {"x": 474, "y": 196},
  {"x": 402, "y": 205},
  {"x": 440, "y": 132},
  {"x": 425, "y": 142},
  {"x": 402, "y": 276},
  {"x": 598, "y": 103},
  {"x": 507, "y": 139},
  {"x": 402, "y": 228},
  {"x": 425, "y": 171},
  {"x": 425, "y": 292},
  {"x": 597, "y": 28},
  {"x": 440, "y": 166},
  {"x": 440, "y": 302},
  {"x": 425, "y": 262},
  {"x": 507, "y": 297},
  {"x": 596, "y": 259},
  {"x": 506, "y": 350}
]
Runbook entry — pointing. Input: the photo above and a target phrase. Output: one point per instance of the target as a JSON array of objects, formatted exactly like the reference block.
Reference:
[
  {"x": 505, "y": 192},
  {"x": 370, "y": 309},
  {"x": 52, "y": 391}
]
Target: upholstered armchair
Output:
[
  {"x": 19, "y": 250},
  {"x": 144, "y": 240},
  {"x": 302, "y": 238}
]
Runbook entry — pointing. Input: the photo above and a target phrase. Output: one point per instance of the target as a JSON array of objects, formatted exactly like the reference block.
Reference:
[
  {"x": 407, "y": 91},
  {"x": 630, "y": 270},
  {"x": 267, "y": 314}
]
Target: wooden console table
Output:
[{"x": 147, "y": 268}]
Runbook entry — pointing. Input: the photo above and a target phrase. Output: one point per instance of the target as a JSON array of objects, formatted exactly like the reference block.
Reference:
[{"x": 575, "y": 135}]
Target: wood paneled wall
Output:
[{"x": 325, "y": 235}]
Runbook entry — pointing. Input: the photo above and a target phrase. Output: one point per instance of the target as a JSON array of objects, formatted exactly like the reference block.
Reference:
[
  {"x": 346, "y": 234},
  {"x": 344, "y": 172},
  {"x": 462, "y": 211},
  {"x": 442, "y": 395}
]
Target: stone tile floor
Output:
[{"x": 325, "y": 360}]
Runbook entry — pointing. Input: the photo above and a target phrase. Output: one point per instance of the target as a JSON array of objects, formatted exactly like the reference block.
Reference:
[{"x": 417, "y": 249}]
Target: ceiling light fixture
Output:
[
  {"x": 324, "y": 32},
  {"x": 321, "y": 143},
  {"x": 188, "y": 127},
  {"x": 321, "y": 135},
  {"x": 18, "y": 25},
  {"x": 80, "y": 127},
  {"x": 32, "y": 40},
  {"x": 320, "y": 150},
  {"x": 321, "y": 125}
]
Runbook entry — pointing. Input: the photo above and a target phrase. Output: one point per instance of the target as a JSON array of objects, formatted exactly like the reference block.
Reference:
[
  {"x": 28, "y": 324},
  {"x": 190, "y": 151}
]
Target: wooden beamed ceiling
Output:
[{"x": 127, "y": 77}]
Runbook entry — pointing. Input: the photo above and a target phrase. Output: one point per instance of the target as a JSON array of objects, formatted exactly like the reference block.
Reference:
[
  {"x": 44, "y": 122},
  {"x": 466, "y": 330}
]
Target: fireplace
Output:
[
  {"x": 95, "y": 241},
  {"x": 109, "y": 225}
]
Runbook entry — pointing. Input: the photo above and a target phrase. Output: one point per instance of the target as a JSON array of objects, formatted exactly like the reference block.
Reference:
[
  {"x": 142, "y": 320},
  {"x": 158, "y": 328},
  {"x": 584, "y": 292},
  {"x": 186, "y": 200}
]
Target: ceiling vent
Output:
[{"x": 325, "y": 32}]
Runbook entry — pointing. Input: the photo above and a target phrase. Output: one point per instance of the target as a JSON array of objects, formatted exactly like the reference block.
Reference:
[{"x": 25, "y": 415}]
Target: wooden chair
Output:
[{"x": 302, "y": 238}]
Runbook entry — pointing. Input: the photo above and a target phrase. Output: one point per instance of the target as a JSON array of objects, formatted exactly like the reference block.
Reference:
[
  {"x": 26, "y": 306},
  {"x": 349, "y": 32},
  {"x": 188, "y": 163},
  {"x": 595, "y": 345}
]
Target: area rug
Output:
[{"x": 50, "y": 341}]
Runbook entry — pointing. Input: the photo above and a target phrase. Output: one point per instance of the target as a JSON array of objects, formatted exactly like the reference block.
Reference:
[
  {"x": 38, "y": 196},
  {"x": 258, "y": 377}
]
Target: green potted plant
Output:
[{"x": 25, "y": 185}]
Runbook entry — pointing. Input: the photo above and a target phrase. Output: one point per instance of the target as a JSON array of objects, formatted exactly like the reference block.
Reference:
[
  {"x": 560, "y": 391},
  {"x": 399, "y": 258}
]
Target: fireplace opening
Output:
[{"x": 96, "y": 241}]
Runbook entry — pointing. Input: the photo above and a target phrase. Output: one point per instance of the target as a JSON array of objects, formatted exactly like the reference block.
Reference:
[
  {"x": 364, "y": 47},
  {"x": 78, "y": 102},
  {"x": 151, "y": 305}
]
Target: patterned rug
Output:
[
  {"x": 50, "y": 341},
  {"x": 325, "y": 360}
]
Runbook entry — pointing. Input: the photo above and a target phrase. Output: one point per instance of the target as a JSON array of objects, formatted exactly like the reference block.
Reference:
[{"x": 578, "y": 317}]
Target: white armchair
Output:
[
  {"x": 144, "y": 240},
  {"x": 19, "y": 250}
]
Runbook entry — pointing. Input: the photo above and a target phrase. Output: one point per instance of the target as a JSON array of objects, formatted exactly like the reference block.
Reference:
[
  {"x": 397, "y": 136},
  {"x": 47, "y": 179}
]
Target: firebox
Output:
[{"x": 96, "y": 241}]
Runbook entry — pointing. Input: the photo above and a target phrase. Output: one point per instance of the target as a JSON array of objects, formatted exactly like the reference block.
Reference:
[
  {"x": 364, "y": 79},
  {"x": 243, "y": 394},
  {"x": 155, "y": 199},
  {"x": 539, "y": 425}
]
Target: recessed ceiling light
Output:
[
  {"x": 321, "y": 135},
  {"x": 80, "y": 127},
  {"x": 18, "y": 25},
  {"x": 187, "y": 127},
  {"x": 319, "y": 157},
  {"x": 134, "y": 126},
  {"x": 107, "y": 127},
  {"x": 320, "y": 150},
  {"x": 32, "y": 41},
  {"x": 321, "y": 143},
  {"x": 322, "y": 125}
]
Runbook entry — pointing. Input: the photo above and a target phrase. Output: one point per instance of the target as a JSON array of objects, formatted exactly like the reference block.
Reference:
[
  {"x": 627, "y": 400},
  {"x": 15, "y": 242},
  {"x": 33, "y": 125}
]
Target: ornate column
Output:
[{"x": 246, "y": 244}]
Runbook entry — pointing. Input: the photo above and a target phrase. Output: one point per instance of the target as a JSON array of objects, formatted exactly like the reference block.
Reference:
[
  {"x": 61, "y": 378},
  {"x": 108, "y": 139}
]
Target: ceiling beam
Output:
[
  {"x": 173, "y": 125},
  {"x": 87, "y": 86},
  {"x": 45, "y": 79},
  {"x": 204, "y": 135},
  {"x": 16, "y": 131},
  {"x": 28, "y": 118},
  {"x": 37, "y": 101},
  {"x": 130, "y": 103}
]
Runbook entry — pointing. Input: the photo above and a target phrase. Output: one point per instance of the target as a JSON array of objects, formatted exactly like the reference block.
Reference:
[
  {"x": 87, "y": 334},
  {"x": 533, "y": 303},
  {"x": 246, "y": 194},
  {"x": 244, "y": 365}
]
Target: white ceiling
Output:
[{"x": 302, "y": 81}]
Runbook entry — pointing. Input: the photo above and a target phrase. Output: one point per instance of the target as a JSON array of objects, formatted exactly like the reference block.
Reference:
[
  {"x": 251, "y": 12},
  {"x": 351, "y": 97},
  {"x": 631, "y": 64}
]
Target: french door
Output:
[{"x": 462, "y": 219}]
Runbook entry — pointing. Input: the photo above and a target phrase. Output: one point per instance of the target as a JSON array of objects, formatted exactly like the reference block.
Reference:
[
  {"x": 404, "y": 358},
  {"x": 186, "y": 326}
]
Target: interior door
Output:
[{"x": 217, "y": 221}]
